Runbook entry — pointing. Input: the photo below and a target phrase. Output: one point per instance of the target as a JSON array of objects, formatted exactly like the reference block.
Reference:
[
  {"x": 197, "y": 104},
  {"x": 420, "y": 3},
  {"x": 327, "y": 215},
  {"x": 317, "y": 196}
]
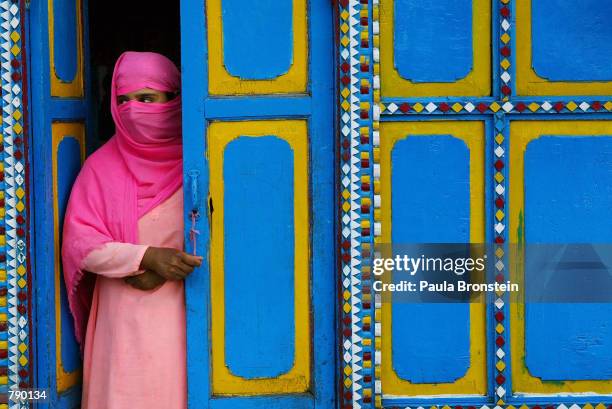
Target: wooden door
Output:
[
  {"x": 259, "y": 173},
  {"x": 61, "y": 120}
]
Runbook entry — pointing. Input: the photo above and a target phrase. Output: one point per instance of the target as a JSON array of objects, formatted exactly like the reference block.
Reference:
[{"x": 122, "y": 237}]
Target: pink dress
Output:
[{"x": 134, "y": 355}]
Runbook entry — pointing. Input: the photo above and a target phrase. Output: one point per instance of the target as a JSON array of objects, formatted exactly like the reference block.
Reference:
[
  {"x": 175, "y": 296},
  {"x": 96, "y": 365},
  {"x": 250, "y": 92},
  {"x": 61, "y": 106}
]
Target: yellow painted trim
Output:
[
  {"x": 528, "y": 82},
  {"x": 477, "y": 83},
  {"x": 60, "y": 88},
  {"x": 473, "y": 134},
  {"x": 521, "y": 133},
  {"x": 295, "y": 80},
  {"x": 60, "y": 131},
  {"x": 297, "y": 380}
]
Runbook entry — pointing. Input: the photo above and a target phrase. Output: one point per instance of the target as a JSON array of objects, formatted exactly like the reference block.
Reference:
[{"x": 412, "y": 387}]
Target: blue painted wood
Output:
[
  {"x": 258, "y": 107},
  {"x": 569, "y": 204},
  {"x": 430, "y": 198},
  {"x": 42, "y": 256},
  {"x": 42, "y": 111},
  {"x": 194, "y": 76},
  {"x": 67, "y": 109},
  {"x": 65, "y": 39},
  {"x": 430, "y": 190},
  {"x": 323, "y": 206},
  {"x": 435, "y": 400},
  {"x": 278, "y": 402},
  {"x": 69, "y": 164},
  {"x": 431, "y": 342},
  {"x": 554, "y": 399},
  {"x": 520, "y": 399},
  {"x": 319, "y": 112},
  {"x": 425, "y": 49},
  {"x": 581, "y": 217},
  {"x": 576, "y": 334},
  {"x": 490, "y": 323},
  {"x": 258, "y": 211},
  {"x": 257, "y": 38},
  {"x": 572, "y": 41}
]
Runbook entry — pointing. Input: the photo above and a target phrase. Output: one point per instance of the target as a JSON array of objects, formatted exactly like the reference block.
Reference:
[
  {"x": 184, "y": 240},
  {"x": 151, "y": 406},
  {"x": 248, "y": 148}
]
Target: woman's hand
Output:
[
  {"x": 169, "y": 263},
  {"x": 145, "y": 281}
]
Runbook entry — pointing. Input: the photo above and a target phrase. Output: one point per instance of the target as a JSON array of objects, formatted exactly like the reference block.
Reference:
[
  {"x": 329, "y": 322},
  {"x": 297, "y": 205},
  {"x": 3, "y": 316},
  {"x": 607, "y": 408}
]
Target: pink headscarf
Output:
[{"x": 137, "y": 169}]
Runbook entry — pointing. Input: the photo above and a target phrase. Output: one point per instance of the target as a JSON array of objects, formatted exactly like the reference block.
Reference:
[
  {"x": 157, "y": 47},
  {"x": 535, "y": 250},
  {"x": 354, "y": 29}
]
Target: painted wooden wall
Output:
[
  {"x": 483, "y": 122},
  {"x": 60, "y": 125},
  {"x": 16, "y": 352},
  {"x": 467, "y": 121}
]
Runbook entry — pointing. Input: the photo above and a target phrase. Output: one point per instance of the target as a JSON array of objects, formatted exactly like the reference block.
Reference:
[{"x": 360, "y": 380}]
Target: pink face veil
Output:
[
  {"x": 148, "y": 134},
  {"x": 136, "y": 170},
  {"x": 151, "y": 124}
]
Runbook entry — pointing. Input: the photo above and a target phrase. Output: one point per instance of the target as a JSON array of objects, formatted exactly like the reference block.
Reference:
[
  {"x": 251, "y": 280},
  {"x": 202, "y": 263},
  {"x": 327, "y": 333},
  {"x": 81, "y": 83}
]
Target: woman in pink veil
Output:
[{"x": 122, "y": 246}]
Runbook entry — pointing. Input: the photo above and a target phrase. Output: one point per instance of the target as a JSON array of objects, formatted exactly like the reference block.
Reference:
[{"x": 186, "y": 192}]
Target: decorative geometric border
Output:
[
  {"x": 505, "y": 102},
  {"x": 15, "y": 206},
  {"x": 523, "y": 406},
  {"x": 377, "y": 199},
  {"x": 356, "y": 203},
  {"x": 552, "y": 106},
  {"x": 501, "y": 127},
  {"x": 505, "y": 57},
  {"x": 500, "y": 140}
]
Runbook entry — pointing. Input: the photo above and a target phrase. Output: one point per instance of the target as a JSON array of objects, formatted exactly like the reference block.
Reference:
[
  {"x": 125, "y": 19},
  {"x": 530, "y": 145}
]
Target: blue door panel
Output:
[
  {"x": 69, "y": 155},
  {"x": 425, "y": 51},
  {"x": 431, "y": 342},
  {"x": 60, "y": 120},
  {"x": 564, "y": 33},
  {"x": 257, "y": 38},
  {"x": 555, "y": 213},
  {"x": 65, "y": 39},
  {"x": 259, "y": 152},
  {"x": 259, "y": 277}
]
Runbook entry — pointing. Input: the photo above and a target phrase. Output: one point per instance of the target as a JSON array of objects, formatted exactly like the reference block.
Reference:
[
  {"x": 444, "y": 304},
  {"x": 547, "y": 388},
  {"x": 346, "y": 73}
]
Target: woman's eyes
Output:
[{"x": 140, "y": 98}]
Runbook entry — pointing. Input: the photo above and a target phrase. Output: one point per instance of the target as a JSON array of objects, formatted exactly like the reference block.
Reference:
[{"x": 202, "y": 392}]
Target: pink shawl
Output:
[{"x": 136, "y": 170}]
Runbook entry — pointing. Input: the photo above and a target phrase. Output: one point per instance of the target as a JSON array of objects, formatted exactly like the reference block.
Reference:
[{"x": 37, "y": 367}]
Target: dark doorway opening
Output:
[{"x": 118, "y": 26}]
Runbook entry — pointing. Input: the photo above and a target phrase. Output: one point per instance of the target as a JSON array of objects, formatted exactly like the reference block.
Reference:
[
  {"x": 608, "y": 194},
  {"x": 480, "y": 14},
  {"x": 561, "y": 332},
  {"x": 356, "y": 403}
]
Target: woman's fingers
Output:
[
  {"x": 179, "y": 271},
  {"x": 194, "y": 261},
  {"x": 136, "y": 283},
  {"x": 174, "y": 273},
  {"x": 145, "y": 281},
  {"x": 184, "y": 264},
  {"x": 170, "y": 263},
  {"x": 185, "y": 268}
]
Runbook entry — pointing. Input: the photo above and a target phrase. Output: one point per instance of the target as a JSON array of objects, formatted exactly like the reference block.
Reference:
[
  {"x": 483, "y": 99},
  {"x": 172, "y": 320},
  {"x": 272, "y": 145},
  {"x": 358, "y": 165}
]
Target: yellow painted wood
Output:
[
  {"x": 474, "y": 382},
  {"x": 297, "y": 380},
  {"x": 521, "y": 133},
  {"x": 60, "y": 88},
  {"x": 60, "y": 131},
  {"x": 477, "y": 83},
  {"x": 295, "y": 80},
  {"x": 528, "y": 82}
]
